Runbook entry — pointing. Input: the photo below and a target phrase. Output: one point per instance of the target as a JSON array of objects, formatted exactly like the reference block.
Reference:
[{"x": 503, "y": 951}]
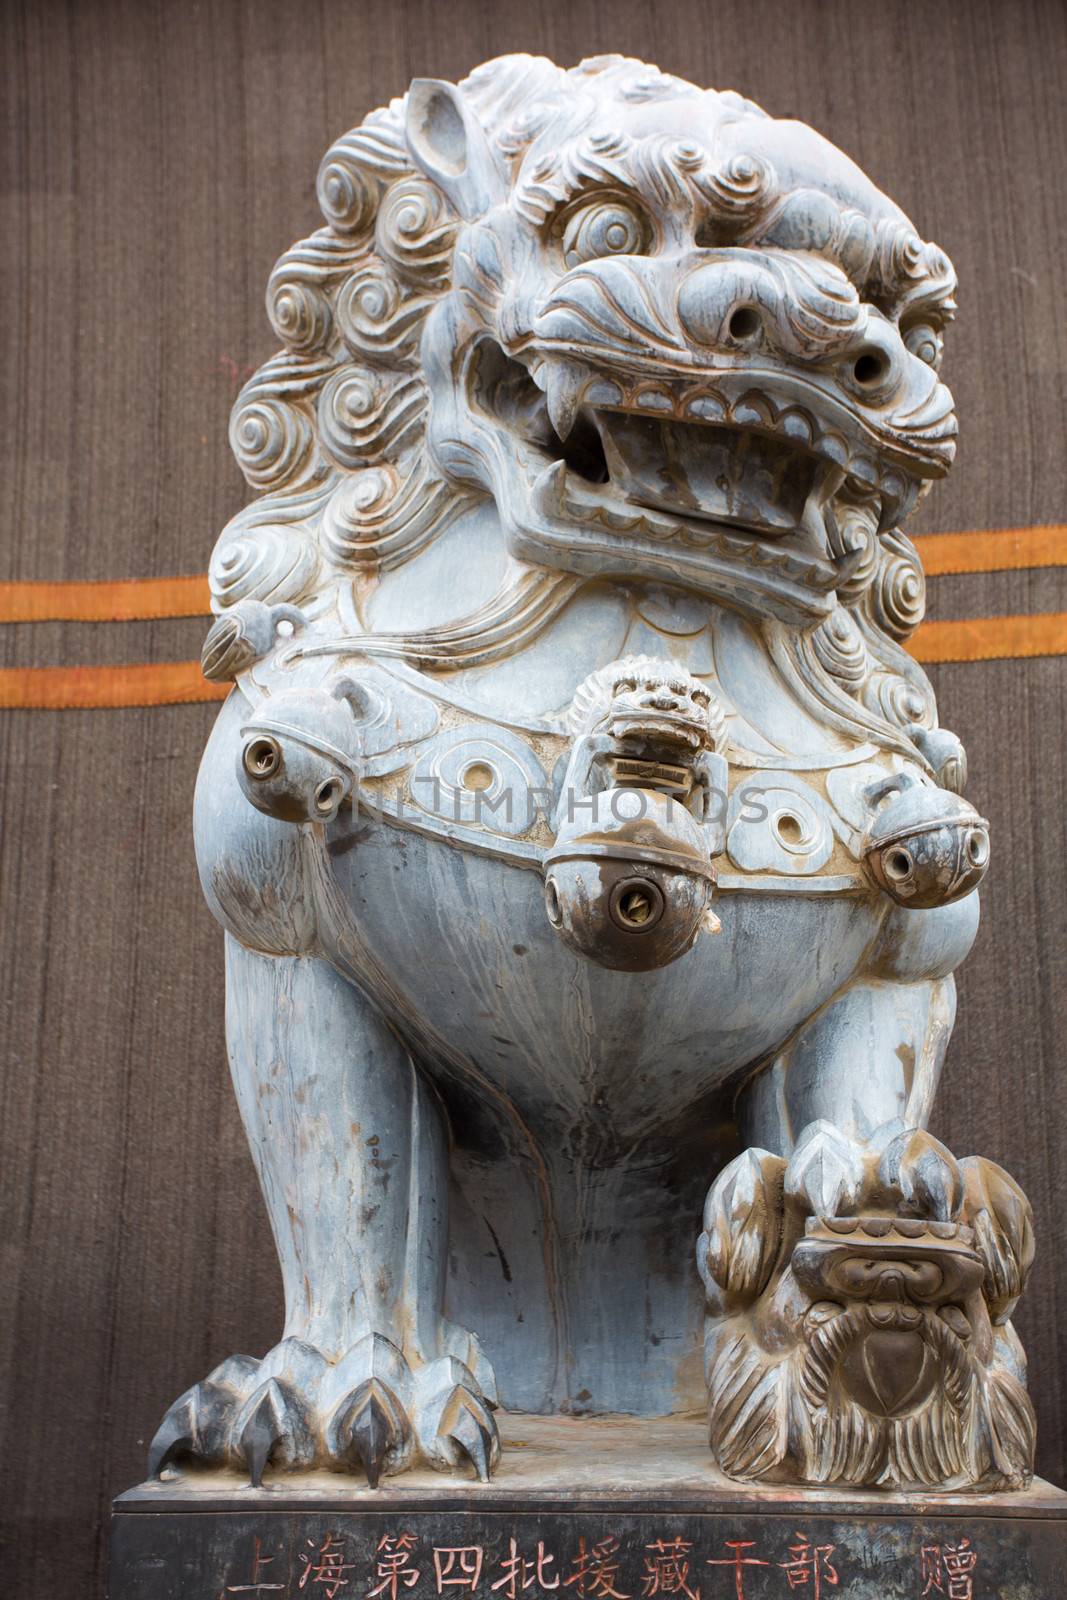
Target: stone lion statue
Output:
[{"x": 582, "y": 831}]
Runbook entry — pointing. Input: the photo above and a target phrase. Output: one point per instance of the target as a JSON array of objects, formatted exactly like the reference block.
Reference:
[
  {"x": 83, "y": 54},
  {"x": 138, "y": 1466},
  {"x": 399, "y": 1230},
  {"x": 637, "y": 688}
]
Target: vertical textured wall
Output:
[{"x": 156, "y": 158}]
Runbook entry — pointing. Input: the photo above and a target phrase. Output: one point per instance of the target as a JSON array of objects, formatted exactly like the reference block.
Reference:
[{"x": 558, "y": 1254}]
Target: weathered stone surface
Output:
[{"x": 580, "y": 827}]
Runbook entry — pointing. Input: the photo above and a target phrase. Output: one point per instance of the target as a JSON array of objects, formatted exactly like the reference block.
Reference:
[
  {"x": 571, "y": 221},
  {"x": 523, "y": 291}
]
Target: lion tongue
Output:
[{"x": 721, "y": 473}]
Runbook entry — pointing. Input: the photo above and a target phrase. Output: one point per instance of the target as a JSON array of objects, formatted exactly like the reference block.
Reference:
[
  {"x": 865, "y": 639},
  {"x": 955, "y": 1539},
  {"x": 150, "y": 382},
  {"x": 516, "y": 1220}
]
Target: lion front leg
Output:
[
  {"x": 859, "y": 1279},
  {"x": 349, "y": 1147}
]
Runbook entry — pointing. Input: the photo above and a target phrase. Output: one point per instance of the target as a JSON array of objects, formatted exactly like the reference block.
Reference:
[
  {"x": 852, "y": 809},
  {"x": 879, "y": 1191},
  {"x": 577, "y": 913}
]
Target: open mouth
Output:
[
  {"x": 659, "y": 727},
  {"x": 700, "y": 470},
  {"x": 668, "y": 459}
]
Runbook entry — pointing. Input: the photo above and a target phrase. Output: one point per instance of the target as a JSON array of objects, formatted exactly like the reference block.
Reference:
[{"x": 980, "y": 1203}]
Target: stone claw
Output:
[
  {"x": 467, "y": 1348},
  {"x": 825, "y": 1173},
  {"x": 196, "y": 1424},
  {"x": 365, "y": 1412},
  {"x": 177, "y": 1435},
  {"x": 742, "y": 1227},
  {"x": 269, "y": 1425},
  {"x": 917, "y": 1168},
  {"x": 371, "y": 1429},
  {"x": 366, "y": 1398},
  {"x": 475, "y": 1438},
  {"x": 454, "y": 1419},
  {"x": 1003, "y": 1223}
]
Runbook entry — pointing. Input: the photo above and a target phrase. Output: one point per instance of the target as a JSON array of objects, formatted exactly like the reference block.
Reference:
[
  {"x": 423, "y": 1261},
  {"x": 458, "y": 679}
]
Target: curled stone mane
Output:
[{"x": 332, "y": 432}]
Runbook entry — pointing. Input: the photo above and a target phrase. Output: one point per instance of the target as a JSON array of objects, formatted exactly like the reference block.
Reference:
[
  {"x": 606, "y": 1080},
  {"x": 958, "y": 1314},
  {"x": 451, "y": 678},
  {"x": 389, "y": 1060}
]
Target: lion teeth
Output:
[
  {"x": 550, "y": 490},
  {"x": 564, "y": 393},
  {"x": 602, "y": 392},
  {"x": 706, "y": 408},
  {"x": 862, "y": 471},
  {"x": 795, "y": 425},
  {"x": 654, "y": 399},
  {"x": 560, "y": 496},
  {"x": 833, "y": 447}
]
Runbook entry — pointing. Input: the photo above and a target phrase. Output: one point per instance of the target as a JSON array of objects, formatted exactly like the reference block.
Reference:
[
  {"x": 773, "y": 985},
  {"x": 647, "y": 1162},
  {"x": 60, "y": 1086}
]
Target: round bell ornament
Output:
[
  {"x": 296, "y": 761},
  {"x": 628, "y": 882},
  {"x": 926, "y": 847}
]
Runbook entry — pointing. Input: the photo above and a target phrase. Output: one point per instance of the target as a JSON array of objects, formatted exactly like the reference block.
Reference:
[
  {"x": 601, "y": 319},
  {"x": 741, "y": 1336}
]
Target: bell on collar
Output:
[{"x": 628, "y": 882}]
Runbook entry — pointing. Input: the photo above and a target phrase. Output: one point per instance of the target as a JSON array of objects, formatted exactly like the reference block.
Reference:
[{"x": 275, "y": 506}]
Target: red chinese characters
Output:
[
  {"x": 667, "y": 1569},
  {"x": 809, "y": 1566},
  {"x": 948, "y": 1569},
  {"x": 739, "y": 1562},
  {"x": 395, "y": 1569},
  {"x": 520, "y": 1573},
  {"x": 258, "y": 1583},
  {"x": 457, "y": 1566},
  {"x": 596, "y": 1571},
  {"x": 327, "y": 1567}
]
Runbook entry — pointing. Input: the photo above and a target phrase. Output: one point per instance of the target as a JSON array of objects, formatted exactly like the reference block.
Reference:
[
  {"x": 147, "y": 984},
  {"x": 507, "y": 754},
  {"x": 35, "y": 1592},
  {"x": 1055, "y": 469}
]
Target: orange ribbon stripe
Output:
[
  {"x": 142, "y": 599},
  {"x": 169, "y": 683},
  {"x": 180, "y": 682},
  {"x": 163, "y": 683},
  {"x": 128, "y": 600},
  {"x": 1042, "y": 633},
  {"x": 999, "y": 550}
]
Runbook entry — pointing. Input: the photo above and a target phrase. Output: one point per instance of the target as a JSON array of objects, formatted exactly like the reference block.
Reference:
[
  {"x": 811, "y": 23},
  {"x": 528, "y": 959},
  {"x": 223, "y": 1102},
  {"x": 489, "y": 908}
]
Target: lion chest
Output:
[
  {"x": 427, "y": 889},
  {"x": 459, "y": 948}
]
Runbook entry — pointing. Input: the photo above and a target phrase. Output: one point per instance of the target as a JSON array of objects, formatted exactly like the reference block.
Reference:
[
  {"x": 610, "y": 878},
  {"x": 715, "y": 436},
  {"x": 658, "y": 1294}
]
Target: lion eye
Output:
[
  {"x": 602, "y": 227},
  {"x": 925, "y": 342}
]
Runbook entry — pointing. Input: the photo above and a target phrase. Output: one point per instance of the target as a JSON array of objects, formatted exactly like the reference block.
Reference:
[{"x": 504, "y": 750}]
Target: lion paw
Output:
[
  {"x": 367, "y": 1412},
  {"x": 858, "y": 1298}
]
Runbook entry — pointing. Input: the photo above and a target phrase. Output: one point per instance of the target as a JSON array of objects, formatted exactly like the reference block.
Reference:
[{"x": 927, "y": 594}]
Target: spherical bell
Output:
[
  {"x": 295, "y": 762},
  {"x": 628, "y": 881},
  {"x": 926, "y": 847}
]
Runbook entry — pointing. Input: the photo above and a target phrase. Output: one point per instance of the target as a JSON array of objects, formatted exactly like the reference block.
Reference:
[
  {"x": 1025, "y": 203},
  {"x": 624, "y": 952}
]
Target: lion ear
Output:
[{"x": 449, "y": 145}]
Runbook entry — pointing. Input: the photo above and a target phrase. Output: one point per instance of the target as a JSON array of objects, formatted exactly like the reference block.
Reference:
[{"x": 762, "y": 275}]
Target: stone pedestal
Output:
[{"x": 602, "y": 1508}]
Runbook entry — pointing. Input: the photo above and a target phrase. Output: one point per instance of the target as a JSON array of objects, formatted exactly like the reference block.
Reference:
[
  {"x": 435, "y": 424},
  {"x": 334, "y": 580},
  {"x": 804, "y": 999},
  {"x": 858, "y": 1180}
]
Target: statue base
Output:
[{"x": 602, "y": 1508}]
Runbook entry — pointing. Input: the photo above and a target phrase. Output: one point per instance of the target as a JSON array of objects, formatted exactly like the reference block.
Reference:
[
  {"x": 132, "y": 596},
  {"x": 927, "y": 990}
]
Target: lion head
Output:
[
  {"x": 647, "y": 698},
  {"x": 670, "y": 337}
]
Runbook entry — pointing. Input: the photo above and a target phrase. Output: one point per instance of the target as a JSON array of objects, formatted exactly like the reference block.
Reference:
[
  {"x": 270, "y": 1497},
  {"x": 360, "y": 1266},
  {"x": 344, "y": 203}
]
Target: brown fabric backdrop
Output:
[{"x": 156, "y": 158}]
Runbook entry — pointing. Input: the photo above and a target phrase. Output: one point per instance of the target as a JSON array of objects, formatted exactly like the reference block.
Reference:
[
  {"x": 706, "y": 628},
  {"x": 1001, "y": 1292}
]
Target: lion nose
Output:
[{"x": 715, "y": 309}]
